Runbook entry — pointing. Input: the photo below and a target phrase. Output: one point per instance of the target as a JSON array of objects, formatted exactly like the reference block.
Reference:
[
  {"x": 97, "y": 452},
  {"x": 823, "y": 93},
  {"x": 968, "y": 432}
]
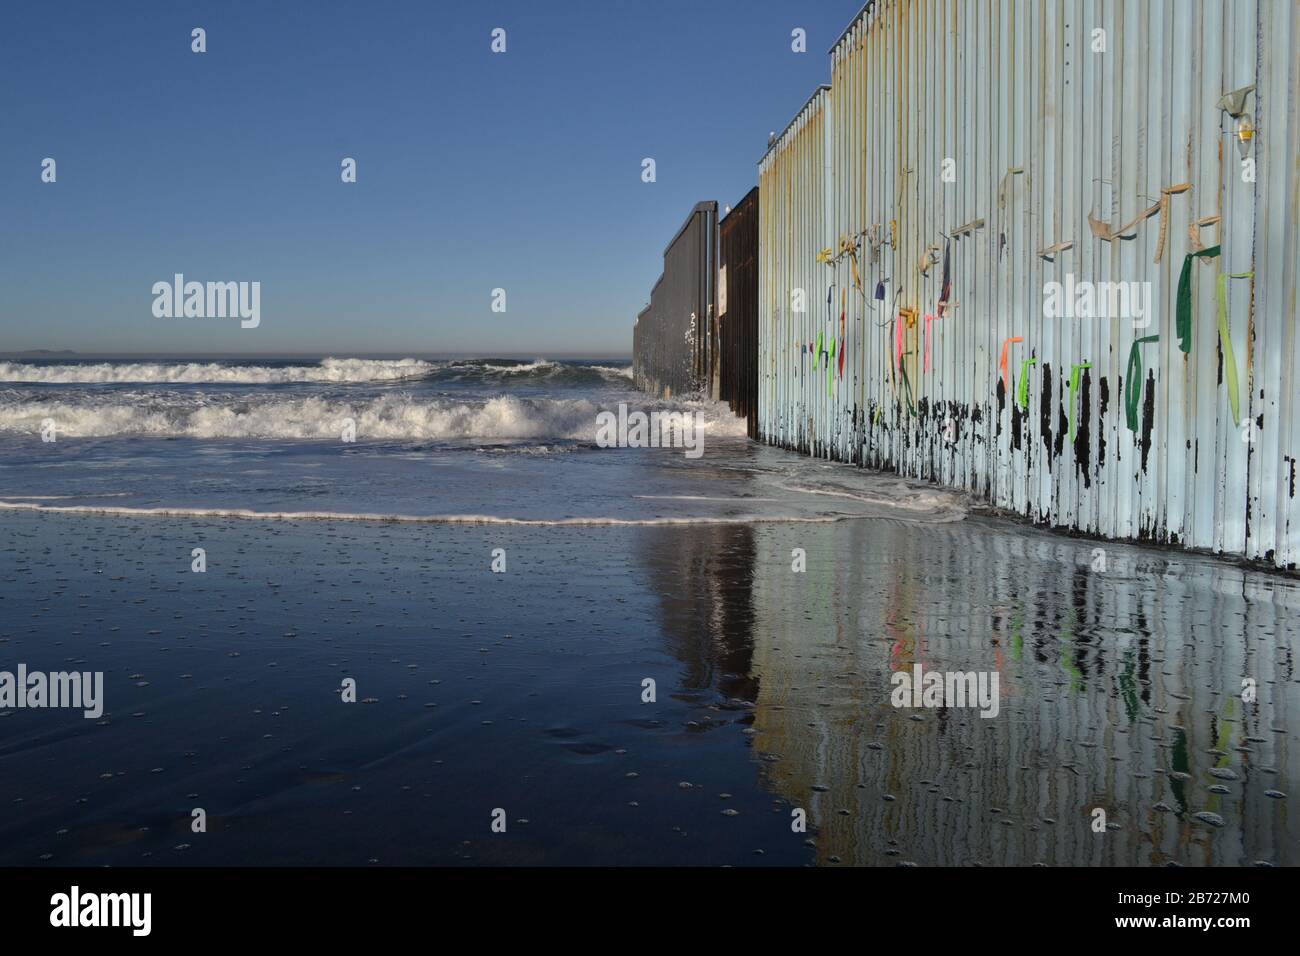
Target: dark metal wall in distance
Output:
[
  {"x": 738, "y": 309},
  {"x": 674, "y": 342}
]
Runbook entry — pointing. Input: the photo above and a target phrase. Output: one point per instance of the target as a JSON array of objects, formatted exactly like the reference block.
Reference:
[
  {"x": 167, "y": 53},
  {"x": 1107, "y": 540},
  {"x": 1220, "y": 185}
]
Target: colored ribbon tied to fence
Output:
[
  {"x": 843, "y": 310},
  {"x": 852, "y": 250},
  {"x": 1183, "y": 315},
  {"x": 830, "y": 368},
  {"x": 1002, "y": 363},
  {"x": 928, "y": 320},
  {"x": 945, "y": 286},
  {"x": 1133, "y": 381},
  {"x": 907, "y": 387},
  {"x": 1225, "y": 342},
  {"x": 1076, "y": 371},
  {"x": 1022, "y": 386}
]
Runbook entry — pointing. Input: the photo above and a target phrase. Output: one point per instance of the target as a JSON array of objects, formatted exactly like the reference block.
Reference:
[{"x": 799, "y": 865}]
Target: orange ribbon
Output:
[{"x": 1006, "y": 381}]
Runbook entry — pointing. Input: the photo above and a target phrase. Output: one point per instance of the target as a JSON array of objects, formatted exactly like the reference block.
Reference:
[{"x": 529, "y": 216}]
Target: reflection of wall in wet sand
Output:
[
  {"x": 702, "y": 580},
  {"x": 1097, "y": 671}
]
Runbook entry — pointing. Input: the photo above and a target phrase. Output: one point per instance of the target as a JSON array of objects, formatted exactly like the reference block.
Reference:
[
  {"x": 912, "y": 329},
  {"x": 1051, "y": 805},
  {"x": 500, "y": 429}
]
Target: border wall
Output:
[
  {"x": 929, "y": 223},
  {"x": 674, "y": 341},
  {"x": 738, "y": 309}
]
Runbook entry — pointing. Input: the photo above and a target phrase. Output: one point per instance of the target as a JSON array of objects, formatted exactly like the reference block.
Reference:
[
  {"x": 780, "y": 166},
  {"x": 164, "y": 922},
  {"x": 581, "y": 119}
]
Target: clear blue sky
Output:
[{"x": 475, "y": 170}]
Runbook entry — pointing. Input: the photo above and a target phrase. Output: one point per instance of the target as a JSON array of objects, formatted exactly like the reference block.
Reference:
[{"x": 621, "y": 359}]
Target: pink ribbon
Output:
[{"x": 928, "y": 320}]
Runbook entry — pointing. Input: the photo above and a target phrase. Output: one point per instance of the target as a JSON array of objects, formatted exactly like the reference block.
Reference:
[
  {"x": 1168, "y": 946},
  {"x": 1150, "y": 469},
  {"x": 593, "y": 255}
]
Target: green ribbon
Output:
[
  {"x": 1133, "y": 382},
  {"x": 1184, "y": 301},
  {"x": 818, "y": 354},
  {"x": 1022, "y": 386},
  {"x": 1076, "y": 371},
  {"x": 1225, "y": 342},
  {"x": 907, "y": 385}
]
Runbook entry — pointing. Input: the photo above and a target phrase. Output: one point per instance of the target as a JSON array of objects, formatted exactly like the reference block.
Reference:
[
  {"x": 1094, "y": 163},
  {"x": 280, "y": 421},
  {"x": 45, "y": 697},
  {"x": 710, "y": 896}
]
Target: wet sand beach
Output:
[{"x": 1120, "y": 690}]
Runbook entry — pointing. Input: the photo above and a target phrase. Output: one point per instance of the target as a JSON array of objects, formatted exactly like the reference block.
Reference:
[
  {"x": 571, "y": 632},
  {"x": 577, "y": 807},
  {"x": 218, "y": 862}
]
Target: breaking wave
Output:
[
  {"x": 329, "y": 371},
  {"x": 385, "y": 417}
]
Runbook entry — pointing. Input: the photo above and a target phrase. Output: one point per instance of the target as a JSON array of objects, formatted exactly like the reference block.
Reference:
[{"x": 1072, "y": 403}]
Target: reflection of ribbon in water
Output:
[
  {"x": 1022, "y": 386},
  {"x": 1133, "y": 384},
  {"x": 1076, "y": 371},
  {"x": 1183, "y": 309},
  {"x": 1002, "y": 364},
  {"x": 928, "y": 320},
  {"x": 1225, "y": 341}
]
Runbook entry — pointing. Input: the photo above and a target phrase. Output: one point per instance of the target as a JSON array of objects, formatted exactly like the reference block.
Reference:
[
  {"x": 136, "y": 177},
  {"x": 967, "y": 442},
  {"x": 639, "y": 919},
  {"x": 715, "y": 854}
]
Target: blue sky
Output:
[{"x": 475, "y": 171}]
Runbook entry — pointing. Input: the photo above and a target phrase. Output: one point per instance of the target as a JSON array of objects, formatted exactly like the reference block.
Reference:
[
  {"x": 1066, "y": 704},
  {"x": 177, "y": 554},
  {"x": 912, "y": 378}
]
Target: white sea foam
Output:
[
  {"x": 524, "y": 368},
  {"x": 329, "y": 371},
  {"x": 892, "y": 494},
  {"x": 621, "y": 372},
  {"x": 246, "y": 514},
  {"x": 389, "y": 417}
]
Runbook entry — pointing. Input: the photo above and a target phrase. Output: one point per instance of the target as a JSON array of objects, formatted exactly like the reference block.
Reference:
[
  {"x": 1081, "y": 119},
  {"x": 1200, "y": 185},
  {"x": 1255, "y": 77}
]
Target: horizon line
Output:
[{"x": 329, "y": 353}]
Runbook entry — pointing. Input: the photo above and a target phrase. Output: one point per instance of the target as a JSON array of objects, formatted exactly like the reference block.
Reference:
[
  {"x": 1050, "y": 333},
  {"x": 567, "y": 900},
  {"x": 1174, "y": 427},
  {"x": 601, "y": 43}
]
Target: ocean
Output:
[{"x": 563, "y": 653}]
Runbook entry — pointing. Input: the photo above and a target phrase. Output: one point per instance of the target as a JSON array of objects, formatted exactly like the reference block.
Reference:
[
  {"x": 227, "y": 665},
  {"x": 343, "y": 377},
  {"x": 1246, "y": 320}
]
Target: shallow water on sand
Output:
[{"x": 523, "y": 691}]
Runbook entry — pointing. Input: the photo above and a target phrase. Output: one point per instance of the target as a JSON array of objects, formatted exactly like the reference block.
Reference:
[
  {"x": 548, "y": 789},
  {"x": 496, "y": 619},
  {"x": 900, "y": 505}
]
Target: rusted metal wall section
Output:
[
  {"x": 674, "y": 340},
  {"x": 738, "y": 309},
  {"x": 1006, "y": 144}
]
